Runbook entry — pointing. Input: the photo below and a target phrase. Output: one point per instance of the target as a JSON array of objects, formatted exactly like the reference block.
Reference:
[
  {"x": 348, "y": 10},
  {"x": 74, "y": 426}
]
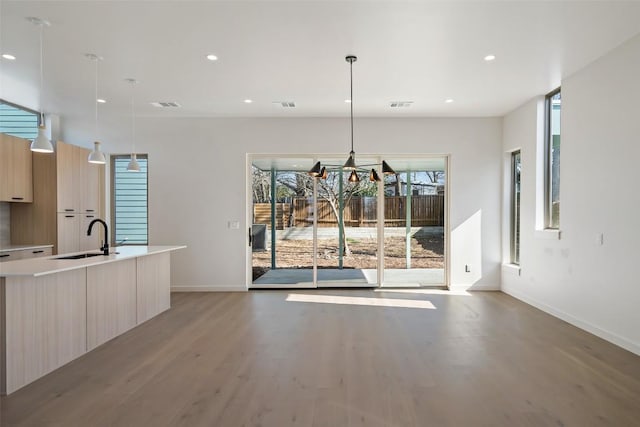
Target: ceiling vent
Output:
[
  {"x": 400, "y": 104},
  {"x": 165, "y": 104},
  {"x": 285, "y": 104}
]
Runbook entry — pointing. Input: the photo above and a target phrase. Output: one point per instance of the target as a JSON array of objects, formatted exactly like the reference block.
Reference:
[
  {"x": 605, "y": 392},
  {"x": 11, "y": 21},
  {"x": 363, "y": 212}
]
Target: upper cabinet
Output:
[
  {"x": 77, "y": 180},
  {"x": 16, "y": 183},
  {"x": 68, "y": 178}
]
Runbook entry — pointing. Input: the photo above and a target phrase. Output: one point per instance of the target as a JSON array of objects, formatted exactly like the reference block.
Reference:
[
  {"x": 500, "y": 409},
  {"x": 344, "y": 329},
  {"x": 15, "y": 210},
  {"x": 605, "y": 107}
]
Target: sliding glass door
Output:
[
  {"x": 282, "y": 224},
  {"x": 331, "y": 232},
  {"x": 414, "y": 236}
]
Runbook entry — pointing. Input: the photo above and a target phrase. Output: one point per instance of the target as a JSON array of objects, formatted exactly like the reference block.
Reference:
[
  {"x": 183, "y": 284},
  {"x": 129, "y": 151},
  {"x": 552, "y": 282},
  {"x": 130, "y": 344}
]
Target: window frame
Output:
[
  {"x": 515, "y": 211},
  {"x": 548, "y": 141},
  {"x": 26, "y": 110},
  {"x": 23, "y": 108},
  {"x": 112, "y": 172}
]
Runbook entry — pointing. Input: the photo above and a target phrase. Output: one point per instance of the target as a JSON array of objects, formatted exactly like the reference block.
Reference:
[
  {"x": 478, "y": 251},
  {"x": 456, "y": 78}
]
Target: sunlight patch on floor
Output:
[
  {"x": 373, "y": 302},
  {"x": 424, "y": 291}
]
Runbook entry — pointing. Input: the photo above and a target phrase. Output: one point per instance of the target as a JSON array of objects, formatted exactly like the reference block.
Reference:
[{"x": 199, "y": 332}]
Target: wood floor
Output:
[{"x": 342, "y": 358}]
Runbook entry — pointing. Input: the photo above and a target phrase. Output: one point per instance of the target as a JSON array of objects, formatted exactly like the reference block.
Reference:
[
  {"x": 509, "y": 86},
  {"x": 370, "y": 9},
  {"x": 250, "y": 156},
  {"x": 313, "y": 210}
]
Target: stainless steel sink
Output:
[{"x": 80, "y": 256}]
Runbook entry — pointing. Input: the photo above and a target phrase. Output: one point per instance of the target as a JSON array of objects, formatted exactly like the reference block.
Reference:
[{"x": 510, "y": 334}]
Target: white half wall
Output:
[
  {"x": 591, "y": 285},
  {"x": 197, "y": 183}
]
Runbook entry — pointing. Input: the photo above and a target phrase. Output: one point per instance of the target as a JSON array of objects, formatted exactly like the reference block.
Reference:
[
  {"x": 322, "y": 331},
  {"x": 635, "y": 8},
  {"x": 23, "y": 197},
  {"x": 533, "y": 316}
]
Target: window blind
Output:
[
  {"x": 130, "y": 208},
  {"x": 18, "y": 122}
]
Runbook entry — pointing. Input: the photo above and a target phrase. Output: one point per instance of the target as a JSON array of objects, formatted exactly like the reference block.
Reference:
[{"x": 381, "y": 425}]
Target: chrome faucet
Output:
[{"x": 105, "y": 246}]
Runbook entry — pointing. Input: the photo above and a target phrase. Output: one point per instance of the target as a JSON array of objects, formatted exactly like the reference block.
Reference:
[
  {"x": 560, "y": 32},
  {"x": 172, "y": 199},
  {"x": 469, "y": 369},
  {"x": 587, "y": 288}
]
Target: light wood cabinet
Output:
[
  {"x": 77, "y": 179},
  {"x": 16, "y": 183},
  {"x": 89, "y": 190},
  {"x": 154, "y": 285},
  {"x": 49, "y": 320},
  {"x": 111, "y": 301},
  {"x": 10, "y": 256},
  {"x": 67, "y": 178},
  {"x": 24, "y": 254},
  {"x": 63, "y": 183},
  {"x": 68, "y": 233},
  {"x": 45, "y": 322}
]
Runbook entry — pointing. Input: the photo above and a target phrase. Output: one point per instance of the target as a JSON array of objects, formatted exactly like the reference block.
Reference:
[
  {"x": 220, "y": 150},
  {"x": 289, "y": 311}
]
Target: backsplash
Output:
[{"x": 5, "y": 224}]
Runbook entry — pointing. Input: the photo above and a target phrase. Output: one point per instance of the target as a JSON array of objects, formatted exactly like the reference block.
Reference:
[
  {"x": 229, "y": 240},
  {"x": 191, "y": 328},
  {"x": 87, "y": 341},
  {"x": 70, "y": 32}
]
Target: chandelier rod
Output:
[{"x": 351, "y": 103}]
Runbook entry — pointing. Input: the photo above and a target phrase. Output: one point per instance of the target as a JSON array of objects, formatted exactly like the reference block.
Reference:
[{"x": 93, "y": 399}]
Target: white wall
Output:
[
  {"x": 593, "y": 286},
  {"x": 197, "y": 183}
]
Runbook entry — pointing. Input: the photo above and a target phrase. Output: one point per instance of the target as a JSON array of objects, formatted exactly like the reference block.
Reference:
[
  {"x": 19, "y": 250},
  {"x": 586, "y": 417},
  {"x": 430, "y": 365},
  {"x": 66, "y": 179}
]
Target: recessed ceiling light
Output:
[
  {"x": 9, "y": 56},
  {"x": 248, "y": 101},
  {"x": 448, "y": 100},
  {"x": 489, "y": 58},
  {"x": 285, "y": 104},
  {"x": 212, "y": 57},
  {"x": 400, "y": 104},
  {"x": 166, "y": 104},
  {"x": 101, "y": 101},
  {"x": 348, "y": 101}
]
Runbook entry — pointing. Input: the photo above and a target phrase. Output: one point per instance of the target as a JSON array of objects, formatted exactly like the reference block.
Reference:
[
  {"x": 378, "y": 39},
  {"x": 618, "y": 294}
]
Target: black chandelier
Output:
[{"x": 320, "y": 171}]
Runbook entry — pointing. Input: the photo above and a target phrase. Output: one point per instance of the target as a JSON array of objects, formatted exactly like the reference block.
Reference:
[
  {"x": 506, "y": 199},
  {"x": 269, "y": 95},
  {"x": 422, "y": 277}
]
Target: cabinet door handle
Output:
[
  {"x": 37, "y": 252},
  {"x": 69, "y": 210},
  {"x": 250, "y": 236},
  {"x": 91, "y": 210},
  {"x": 17, "y": 198},
  {"x": 4, "y": 255},
  {"x": 69, "y": 216},
  {"x": 90, "y": 216}
]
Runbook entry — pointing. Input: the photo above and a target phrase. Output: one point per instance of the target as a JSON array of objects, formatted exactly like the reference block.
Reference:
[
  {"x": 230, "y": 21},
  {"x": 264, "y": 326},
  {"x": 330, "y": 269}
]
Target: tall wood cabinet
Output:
[
  {"x": 66, "y": 197},
  {"x": 16, "y": 184}
]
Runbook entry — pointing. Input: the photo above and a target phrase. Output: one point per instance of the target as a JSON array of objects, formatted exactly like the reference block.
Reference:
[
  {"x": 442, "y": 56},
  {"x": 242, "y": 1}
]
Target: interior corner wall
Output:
[
  {"x": 591, "y": 285},
  {"x": 197, "y": 183}
]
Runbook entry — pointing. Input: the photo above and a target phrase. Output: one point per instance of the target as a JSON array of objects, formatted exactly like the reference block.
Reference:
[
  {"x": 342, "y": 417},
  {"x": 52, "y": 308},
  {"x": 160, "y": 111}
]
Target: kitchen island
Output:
[{"x": 54, "y": 310}]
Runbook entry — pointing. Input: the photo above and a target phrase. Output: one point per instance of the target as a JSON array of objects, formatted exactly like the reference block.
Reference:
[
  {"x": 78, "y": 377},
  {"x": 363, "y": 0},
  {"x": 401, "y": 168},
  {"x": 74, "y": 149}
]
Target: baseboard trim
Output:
[
  {"x": 208, "y": 289},
  {"x": 474, "y": 288},
  {"x": 599, "y": 332}
]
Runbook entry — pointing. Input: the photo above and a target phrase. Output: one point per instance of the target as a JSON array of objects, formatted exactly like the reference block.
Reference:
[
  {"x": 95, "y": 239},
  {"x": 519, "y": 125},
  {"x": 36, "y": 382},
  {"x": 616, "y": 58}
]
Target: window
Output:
[
  {"x": 552, "y": 155},
  {"x": 18, "y": 121},
  {"x": 515, "y": 207},
  {"x": 129, "y": 213}
]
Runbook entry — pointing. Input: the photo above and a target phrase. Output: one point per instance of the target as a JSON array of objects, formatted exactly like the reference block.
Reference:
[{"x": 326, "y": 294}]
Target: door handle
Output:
[{"x": 250, "y": 236}]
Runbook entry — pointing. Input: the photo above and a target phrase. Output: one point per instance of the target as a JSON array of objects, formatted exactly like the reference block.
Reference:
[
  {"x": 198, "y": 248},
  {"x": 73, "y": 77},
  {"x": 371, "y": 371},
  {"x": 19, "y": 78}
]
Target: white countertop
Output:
[
  {"x": 49, "y": 265},
  {"x": 10, "y": 248}
]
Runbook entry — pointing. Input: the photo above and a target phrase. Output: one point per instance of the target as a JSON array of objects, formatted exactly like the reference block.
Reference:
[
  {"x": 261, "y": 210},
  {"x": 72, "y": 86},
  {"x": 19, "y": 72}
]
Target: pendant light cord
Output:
[
  {"x": 133, "y": 119},
  {"x": 351, "y": 103},
  {"x": 95, "y": 100},
  {"x": 41, "y": 76}
]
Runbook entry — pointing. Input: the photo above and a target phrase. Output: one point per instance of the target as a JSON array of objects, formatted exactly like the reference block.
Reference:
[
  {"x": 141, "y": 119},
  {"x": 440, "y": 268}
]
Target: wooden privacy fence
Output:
[
  {"x": 358, "y": 212},
  {"x": 262, "y": 214}
]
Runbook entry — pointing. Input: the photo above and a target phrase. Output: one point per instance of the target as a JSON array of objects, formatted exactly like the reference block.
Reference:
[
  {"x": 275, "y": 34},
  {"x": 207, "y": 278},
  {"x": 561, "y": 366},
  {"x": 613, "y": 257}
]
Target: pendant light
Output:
[
  {"x": 319, "y": 171},
  {"x": 41, "y": 143},
  {"x": 96, "y": 156},
  {"x": 133, "y": 165}
]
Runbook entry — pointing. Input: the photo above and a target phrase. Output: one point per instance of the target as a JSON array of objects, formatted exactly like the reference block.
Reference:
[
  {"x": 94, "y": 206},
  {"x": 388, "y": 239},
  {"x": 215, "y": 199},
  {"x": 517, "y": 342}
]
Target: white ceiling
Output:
[{"x": 422, "y": 51}]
